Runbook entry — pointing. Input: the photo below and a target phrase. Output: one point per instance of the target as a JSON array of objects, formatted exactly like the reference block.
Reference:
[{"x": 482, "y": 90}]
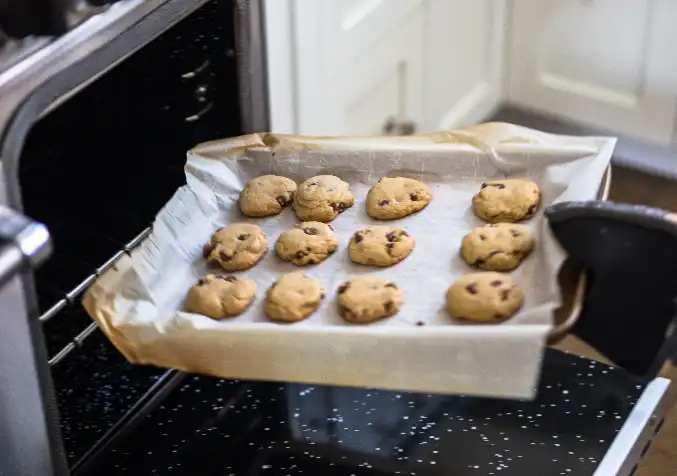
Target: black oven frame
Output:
[{"x": 30, "y": 90}]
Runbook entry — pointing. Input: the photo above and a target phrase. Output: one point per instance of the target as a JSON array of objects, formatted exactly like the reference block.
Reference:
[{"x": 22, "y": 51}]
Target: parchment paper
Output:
[{"x": 138, "y": 303}]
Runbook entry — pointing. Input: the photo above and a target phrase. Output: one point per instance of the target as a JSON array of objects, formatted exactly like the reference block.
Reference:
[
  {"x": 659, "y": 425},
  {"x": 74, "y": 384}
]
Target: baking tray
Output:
[{"x": 138, "y": 303}]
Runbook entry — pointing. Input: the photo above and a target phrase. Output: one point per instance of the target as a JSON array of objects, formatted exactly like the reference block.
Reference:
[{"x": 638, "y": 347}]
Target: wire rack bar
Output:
[{"x": 71, "y": 297}]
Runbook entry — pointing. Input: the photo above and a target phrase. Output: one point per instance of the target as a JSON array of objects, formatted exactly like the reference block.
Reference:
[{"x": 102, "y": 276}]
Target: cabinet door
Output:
[
  {"x": 463, "y": 58},
  {"x": 609, "y": 63},
  {"x": 358, "y": 63}
]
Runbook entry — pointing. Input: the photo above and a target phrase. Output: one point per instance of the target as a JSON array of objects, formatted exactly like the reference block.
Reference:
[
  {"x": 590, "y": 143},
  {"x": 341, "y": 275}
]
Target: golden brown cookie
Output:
[
  {"x": 484, "y": 297},
  {"x": 380, "y": 245},
  {"x": 310, "y": 242},
  {"x": 293, "y": 298},
  {"x": 508, "y": 200},
  {"x": 498, "y": 246},
  {"x": 266, "y": 195},
  {"x": 219, "y": 297},
  {"x": 397, "y": 197},
  {"x": 367, "y": 299},
  {"x": 322, "y": 198},
  {"x": 236, "y": 247}
]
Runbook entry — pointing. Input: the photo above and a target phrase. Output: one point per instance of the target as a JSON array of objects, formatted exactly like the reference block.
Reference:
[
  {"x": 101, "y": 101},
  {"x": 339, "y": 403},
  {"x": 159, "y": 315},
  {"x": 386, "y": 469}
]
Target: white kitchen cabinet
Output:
[
  {"x": 353, "y": 66},
  {"x": 608, "y": 63},
  {"x": 463, "y": 61}
]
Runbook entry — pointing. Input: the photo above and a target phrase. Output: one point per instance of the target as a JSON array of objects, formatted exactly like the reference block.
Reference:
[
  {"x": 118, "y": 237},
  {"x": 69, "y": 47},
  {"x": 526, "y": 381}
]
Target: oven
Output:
[
  {"x": 99, "y": 100},
  {"x": 98, "y": 103}
]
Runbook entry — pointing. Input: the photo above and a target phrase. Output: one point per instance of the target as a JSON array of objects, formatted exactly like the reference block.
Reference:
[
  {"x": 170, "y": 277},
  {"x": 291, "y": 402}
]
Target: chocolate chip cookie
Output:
[
  {"x": 509, "y": 200},
  {"x": 293, "y": 298},
  {"x": 310, "y": 242},
  {"x": 497, "y": 247},
  {"x": 484, "y": 297},
  {"x": 219, "y": 297},
  {"x": 266, "y": 195},
  {"x": 397, "y": 197},
  {"x": 368, "y": 299},
  {"x": 236, "y": 247},
  {"x": 322, "y": 198},
  {"x": 380, "y": 245}
]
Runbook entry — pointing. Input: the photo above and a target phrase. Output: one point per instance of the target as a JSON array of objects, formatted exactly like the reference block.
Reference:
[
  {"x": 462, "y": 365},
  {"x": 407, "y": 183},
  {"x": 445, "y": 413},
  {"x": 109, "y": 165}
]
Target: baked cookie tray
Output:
[{"x": 139, "y": 302}]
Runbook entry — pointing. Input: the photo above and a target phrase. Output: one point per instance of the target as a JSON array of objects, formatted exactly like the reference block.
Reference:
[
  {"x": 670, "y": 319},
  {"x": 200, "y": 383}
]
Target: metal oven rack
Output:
[
  {"x": 199, "y": 83},
  {"x": 153, "y": 395}
]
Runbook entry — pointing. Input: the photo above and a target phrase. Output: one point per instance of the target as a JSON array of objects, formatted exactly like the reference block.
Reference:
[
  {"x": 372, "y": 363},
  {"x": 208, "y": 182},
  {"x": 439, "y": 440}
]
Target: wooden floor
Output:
[{"x": 632, "y": 186}]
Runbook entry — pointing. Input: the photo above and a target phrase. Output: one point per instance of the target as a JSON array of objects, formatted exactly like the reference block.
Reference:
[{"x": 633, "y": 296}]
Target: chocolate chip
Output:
[
  {"x": 283, "y": 200},
  {"x": 478, "y": 263},
  {"x": 301, "y": 254},
  {"x": 230, "y": 279},
  {"x": 484, "y": 185},
  {"x": 391, "y": 285},
  {"x": 339, "y": 207},
  {"x": 225, "y": 256},
  {"x": 310, "y": 231},
  {"x": 383, "y": 202},
  {"x": 357, "y": 237},
  {"x": 505, "y": 294},
  {"x": 494, "y": 253},
  {"x": 404, "y": 233},
  {"x": 343, "y": 288},
  {"x": 202, "y": 282},
  {"x": 389, "y": 248},
  {"x": 311, "y": 261},
  {"x": 344, "y": 311},
  {"x": 414, "y": 197},
  {"x": 516, "y": 253},
  {"x": 207, "y": 250},
  {"x": 515, "y": 233},
  {"x": 499, "y": 186},
  {"x": 498, "y": 317},
  {"x": 392, "y": 236},
  {"x": 309, "y": 249},
  {"x": 471, "y": 288},
  {"x": 388, "y": 306},
  {"x": 496, "y": 283},
  {"x": 420, "y": 323},
  {"x": 483, "y": 237},
  {"x": 243, "y": 236},
  {"x": 531, "y": 210},
  {"x": 312, "y": 184}
]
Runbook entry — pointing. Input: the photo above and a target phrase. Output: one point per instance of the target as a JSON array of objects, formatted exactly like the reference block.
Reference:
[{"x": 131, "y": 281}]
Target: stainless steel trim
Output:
[
  {"x": 251, "y": 60},
  {"x": 30, "y": 442},
  {"x": 639, "y": 428}
]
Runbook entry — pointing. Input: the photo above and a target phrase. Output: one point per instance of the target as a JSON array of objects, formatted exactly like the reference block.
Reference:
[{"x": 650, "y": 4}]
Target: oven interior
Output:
[{"x": 96, "y": 170}]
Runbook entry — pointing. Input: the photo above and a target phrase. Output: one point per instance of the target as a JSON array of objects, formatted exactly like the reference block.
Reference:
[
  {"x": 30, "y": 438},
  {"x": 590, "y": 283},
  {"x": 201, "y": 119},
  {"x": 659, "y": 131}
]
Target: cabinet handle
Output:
[{"x": 395, "y": 127}]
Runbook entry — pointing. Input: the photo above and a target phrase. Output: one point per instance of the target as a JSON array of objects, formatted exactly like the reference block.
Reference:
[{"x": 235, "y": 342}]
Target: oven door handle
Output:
[{"x": 23, "y": 242}]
